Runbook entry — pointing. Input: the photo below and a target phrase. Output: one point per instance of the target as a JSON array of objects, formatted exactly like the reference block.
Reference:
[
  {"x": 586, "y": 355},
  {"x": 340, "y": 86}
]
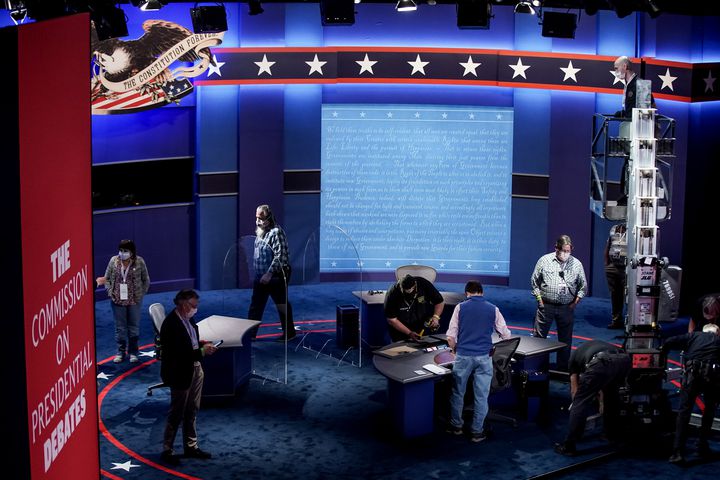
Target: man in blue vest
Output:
[{"x": 470, "y": 338}]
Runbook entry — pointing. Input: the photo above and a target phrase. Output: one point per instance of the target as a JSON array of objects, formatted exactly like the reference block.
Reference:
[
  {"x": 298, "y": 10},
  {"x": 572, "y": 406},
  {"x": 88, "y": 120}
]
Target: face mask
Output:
[
  {"x": 124, "y": 255},
  {"x": 192, "y": 312},
  {"x": 563, "y": 256}
]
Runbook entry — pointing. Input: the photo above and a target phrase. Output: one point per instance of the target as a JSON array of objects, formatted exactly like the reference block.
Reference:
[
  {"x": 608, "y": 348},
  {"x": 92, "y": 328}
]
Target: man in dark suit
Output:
[{"x": 180, "y": 369}]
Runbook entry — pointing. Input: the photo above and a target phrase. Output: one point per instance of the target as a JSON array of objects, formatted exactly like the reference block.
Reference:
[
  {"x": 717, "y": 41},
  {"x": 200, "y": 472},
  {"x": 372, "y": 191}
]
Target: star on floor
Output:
[
  {"x": 104, "y": 376},
  {"x": 570, "y": 72},
  {"x": 149, "y": 353},
  {"x": 418, "y": 65},
  {"x": 667, "y": 80},
  {"x": 519, "y": 69},
  {"x": 316, "y": 65},
  {"x": 124, "y": 466},
  {"x": 264, "y": 65},
  {"x": 366, "y": 65},
  {"x": 470, "y": 66},
  {"x": 215, "y": 69}
]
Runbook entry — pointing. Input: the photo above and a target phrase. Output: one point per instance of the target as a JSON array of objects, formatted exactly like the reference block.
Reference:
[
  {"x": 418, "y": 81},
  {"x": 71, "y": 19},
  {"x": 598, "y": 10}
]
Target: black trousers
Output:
[
  {"x": 693, "y": 385},
  {"x": 276, "y": 288},
  {"x": 606, "y": 373},
  {"x": 615, "y": 276}
]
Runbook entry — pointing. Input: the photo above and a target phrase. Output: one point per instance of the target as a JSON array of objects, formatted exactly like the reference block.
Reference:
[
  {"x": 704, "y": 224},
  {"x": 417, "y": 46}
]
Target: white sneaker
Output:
[
  {"x": 118, "y": 358},
  {"x": 133, "y": 358}
]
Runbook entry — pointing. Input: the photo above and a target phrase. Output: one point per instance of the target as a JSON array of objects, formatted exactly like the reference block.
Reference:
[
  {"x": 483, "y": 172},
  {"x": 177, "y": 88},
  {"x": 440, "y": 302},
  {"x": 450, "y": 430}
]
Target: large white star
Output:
[
  {"x": 615, "y": 77},
  {"x": 519, "y": 69},
  {"x": 215, "y": 68},
  {"x": 316, "y": 65},
  {"x": 570, "y": 72},
  {"x": 103, "y": 376},
  {"x": 149, "y": 353},
  {"x": 709, "y": 81},
  {"x": 470, "y": 66},
  {"x": 667, "y": 80},
  {"x": 418, "y": 65},
  {"x": 264, "y": 66},
  {"x": 366, "y": 65},
  {"x": 124, "y": 466}
]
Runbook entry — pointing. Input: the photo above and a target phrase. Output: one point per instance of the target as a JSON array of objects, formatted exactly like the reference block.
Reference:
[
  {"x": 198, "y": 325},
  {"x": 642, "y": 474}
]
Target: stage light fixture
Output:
[
  {"x": 149, "y": 5},
  {"x": 652, "y": 8},
  {"x": 209, "y": 18},
  {"x": 592, "y": 6},
  {"x": 255, "y": 7},
  {"x": 559, "y": 25},
  {"x": 473, "y": 13},
  {"x": 524, "y": 7},
  {"x": 109, "y": 22},
  {"x": 337, "y": 12},
  {"x": 622, "y": 8},
  {"x": 406, "y": 6},
  {"x": 17, "y": 10}
]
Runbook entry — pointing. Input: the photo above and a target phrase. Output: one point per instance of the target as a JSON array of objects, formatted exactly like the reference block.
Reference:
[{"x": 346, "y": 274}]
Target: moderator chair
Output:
[
  {"x": 502, "y": 374},
  {"x": 157, "y": 313},
  {"x": 425, "y": 271}
]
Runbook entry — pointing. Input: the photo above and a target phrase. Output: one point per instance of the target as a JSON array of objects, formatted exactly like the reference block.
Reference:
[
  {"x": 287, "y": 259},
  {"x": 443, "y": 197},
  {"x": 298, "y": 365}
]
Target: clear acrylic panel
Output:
[
  {"x": 330, "y": 284},
  {"x": 254, "y": 288}
]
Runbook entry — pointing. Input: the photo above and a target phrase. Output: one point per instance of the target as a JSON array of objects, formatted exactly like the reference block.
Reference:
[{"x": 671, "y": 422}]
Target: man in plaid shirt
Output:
[
  {"x": 271, "y": 261},
  {"x": 558, "y": 283}
]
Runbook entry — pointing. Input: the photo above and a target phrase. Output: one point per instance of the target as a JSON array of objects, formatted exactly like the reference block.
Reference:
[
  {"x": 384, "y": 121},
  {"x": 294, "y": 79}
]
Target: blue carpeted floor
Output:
[{"x": 330, "y": 419}]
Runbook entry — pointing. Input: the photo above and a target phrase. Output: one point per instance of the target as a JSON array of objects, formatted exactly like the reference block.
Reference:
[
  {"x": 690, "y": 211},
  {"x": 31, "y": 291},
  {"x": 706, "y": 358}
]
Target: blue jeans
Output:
[
  {"x": 127, "y": 327},
  {"x": 481, "y": 369}
]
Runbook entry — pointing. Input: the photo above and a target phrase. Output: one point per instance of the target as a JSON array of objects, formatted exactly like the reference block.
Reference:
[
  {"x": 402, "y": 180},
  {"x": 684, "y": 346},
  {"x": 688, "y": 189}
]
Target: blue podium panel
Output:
[{"x": 412, "y": 406}]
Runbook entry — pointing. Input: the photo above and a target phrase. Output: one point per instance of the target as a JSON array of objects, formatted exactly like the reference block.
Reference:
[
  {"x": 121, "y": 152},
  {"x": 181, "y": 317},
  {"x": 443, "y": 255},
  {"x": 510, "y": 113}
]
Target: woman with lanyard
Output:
[{"x": 126, "y": 281}]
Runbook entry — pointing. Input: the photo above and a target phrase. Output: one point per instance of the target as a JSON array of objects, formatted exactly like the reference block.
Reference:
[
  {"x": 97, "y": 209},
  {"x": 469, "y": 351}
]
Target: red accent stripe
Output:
[
  {"x": 572, "y": 56},
  {"x": 667, "y": 63}
]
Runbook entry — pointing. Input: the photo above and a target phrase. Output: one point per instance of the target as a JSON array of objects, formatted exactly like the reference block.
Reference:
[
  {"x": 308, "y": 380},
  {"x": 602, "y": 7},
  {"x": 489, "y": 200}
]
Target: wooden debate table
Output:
[{"x": 411, "y": 384}]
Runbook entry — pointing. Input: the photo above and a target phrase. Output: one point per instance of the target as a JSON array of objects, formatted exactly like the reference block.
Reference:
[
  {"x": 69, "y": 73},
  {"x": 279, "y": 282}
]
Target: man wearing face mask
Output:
[
  {"x": 271, "y": 261},
  {"x": 180, "y": 368},
  {"x": 558, "y": 283},
  {"x": 410, "y": 305}
]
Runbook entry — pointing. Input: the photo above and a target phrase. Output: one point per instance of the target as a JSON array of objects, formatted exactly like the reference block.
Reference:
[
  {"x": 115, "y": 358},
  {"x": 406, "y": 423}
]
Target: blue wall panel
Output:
[
  {"x": 216, "y": 226},
  {"x": 529, "y": 227}
]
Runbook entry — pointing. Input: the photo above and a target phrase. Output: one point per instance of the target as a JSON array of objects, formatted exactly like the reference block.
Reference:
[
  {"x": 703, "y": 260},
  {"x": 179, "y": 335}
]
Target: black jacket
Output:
[{"x": 178, "y": 355}]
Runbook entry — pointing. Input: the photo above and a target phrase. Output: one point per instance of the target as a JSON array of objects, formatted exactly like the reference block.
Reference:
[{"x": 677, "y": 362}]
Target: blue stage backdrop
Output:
[{"x": 427, "y": 184}]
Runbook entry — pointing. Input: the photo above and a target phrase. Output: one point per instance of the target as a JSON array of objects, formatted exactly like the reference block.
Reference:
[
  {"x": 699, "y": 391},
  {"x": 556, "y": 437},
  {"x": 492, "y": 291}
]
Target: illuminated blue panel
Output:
[
  {"x": 303, "y": 26},
  {"x": 416, "y": 183},
  {"x": 217, "y": 128},
  {"x": 532, "y": 150},
  {"x": 616, "y": 36},
  {"x": 302, "y": 124}
]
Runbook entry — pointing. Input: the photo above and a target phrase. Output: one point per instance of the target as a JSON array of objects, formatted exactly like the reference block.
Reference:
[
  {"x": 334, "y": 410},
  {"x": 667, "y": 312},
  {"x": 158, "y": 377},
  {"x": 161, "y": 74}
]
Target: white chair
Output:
[
  {"x": 157, "y": 313},
  {"x": 425, "y": 271}
]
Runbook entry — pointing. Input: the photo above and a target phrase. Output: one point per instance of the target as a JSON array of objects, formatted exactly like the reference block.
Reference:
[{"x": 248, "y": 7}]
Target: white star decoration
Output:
[
  {"x": 417, "y": 114},
  {"x": 362, "y": 114},
  {"x": 389, "y": 114},
  {"x": 519, "y": 69},
  {"x": 387, "y": 264},
  {"x": 366, "y": 65},
  {"x": 444, "y": 115},
  {"x": 334, "y": 114},
  {"x": 124, "y": 466},
  {"x": 469, "y": 266},
  {"x": 470, "y": 66},
  {"x": 418, "y": 65},
  {"x": 615, "y": 78},
  {"x": 442, "y": 264},
  {"x": 264, "y": 66},
  {"x": 570, "y": 72},
  {"x": 149, "y": 353},
  {"x": 709, "y": 81},
  {"x": 333, "y": 264},
  {"x": 316, "y": 65},
  {"x": 215, "y": 68},
  {"x": 667, "y": 80},
  {"x": 499, "y": 116},
  {"x": 471, "y": 116},
  {"x": 103, "y": 376}
]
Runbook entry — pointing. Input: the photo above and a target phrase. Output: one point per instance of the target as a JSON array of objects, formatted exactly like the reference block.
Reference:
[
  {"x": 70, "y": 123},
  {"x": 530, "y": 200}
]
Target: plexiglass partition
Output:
[
  {"x": 255, "y": 287},
  {"x": 330, "y": 284}
]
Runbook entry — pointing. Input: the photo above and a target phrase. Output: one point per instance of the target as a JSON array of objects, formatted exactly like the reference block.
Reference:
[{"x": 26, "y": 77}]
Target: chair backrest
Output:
[
  {"x": 157, "y": 313},
  {"x": 502, "y": 356},
  {"x": 425, "y": 271}
]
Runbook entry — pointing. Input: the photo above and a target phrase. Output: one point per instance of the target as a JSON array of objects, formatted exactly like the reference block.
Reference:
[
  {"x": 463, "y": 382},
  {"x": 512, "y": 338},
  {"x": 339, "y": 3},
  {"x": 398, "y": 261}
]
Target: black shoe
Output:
[
  {"x": 452, "y": 429},
  {"x": 615, "y": 326},
  {"x": 281, "y": 338},
  {"x": 168, "y": 457},
  {"x": 197, "y": 453},
  {"x": 476, "y": 437},
  {"x": 676, "y": 458},
  {"x": 565, "y": 449}
]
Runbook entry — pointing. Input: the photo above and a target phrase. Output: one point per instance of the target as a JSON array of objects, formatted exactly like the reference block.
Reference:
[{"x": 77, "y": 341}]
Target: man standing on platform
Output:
[
  {"x": 615, "y": 262},
  {"x": 412, "y": 305},
  {"x": 596, "y": 367},
  {"x": 271, "y": 261},
  {"x": 470, "y": 338},
  {"x": 180, "y": 368},
  {"x": 701, "y": 375},
  {"x": 558, "y": 283}
]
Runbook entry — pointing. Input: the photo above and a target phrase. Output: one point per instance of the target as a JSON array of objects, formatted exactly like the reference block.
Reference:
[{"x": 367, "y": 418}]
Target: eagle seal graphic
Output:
[{"x": 149, "y": 71}]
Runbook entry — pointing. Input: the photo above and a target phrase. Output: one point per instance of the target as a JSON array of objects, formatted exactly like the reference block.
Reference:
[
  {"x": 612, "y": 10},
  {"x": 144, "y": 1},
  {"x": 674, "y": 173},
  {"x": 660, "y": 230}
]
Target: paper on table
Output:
[{"x": 437, "y": 370}]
